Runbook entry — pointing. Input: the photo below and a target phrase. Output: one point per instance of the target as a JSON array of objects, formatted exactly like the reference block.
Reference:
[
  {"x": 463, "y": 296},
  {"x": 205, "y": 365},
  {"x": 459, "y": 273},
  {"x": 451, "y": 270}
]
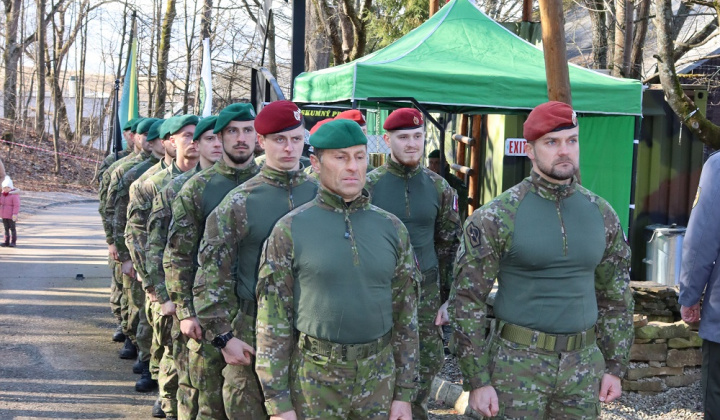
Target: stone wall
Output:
[{"x": 666, "y": 353}]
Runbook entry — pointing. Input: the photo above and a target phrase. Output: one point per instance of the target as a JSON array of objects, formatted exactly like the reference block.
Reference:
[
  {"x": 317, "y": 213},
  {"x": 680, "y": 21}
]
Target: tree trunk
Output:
[
  {"x": 619, "y": 50},
  {"x": 639, "y": 39},
  {"x": 163, "y": 55},
  {"x": 205, "y": 26},
  {"x": 188, "y": 54},
  {"x": 329, "y": 22},
  {"x": 80, "y": 86},
  {"x": 706, "y": 131},
  {"x": 11, "y": 56},
  {"x": 317, "y": 46},
  {"x": 272, "y": 58},
  {"x": 40, "y": 64}
]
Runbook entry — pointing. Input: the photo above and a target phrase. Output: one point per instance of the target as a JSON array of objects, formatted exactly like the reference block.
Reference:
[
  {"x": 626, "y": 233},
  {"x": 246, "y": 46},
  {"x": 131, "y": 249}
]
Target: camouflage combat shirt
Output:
[
  {"x": 108, "y": 161},
  {"x": 342, "y": 272},
  {"x": 234, "y": 234},
  {"x": 193, "y": 204},
  {"x": 114, "y": 179},
  {"x": 488, "y": 248}
]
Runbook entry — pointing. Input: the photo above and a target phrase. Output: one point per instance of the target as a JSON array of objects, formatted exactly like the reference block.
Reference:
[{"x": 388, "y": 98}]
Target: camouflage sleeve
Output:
[
  {"x": 476, "y": 267},
  {"x": 180, "y": 258},
  {"x": 275, "y": 324},
  {"x": 110, "y": 206},
  {"x": 447, "y": 233},
  {"x": 102, "y": 195},
  {"x": 157, "y": 228},
  {"x": 122, "y": 201},
  {"x": 406, "y": 295},
  {"x": 215, "y": 300},
  {"x": 109, "y": 160},
  {"x": 141, "y": 195},
  {"x": 614, "y": 297}
]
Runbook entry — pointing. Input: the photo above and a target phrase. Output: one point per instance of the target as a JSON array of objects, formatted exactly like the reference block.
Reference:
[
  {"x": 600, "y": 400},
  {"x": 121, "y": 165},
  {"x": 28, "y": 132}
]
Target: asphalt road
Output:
[{"x": 57, "y": 359}]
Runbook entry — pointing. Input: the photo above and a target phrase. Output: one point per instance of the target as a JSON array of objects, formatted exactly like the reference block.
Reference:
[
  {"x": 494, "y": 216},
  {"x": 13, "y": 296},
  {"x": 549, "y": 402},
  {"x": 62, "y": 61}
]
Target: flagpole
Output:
[{"x": 117, "y": 134}]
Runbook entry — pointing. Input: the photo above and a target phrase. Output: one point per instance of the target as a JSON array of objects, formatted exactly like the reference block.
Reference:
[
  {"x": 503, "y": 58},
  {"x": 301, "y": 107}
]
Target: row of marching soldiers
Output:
[{"x": 244, "y": 274}]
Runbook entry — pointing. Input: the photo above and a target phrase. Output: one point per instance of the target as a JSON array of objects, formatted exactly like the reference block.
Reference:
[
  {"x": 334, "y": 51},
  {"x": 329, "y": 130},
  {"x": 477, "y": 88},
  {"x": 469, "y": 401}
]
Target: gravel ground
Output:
[{"x": 682, "y": 403}]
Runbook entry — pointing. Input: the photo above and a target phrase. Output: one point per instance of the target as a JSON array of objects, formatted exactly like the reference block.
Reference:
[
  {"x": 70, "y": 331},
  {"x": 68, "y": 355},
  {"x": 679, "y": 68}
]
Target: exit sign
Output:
[{"x": 515, "y": 147}]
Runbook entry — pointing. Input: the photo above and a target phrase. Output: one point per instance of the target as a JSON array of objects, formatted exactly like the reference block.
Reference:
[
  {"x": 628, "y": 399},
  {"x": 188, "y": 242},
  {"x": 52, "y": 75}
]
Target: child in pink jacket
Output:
[{"x": 9, "y": 208}]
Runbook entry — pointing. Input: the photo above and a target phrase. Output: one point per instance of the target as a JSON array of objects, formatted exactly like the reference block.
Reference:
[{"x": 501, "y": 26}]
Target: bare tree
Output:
[
  {"x": 40, "y": 70},
  {"x": 11, "y": 56},
  {"x": 189, "y": 46},
  {"x": 163, "y": 56},
  {"x": 205, "y": 23}
]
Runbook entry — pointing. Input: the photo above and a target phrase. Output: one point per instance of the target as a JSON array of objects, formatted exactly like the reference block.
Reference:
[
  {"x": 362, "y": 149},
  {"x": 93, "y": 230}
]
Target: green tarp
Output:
[{"x": 460, "y": 60}]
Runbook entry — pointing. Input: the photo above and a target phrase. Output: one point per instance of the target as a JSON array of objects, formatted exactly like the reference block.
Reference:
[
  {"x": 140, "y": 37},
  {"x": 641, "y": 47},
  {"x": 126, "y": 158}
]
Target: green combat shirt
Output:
[
  {"x": 157, "y": 231},
  {"x": 122, "y": 201},
  {"x": 114, "y": 180},
  {"x": 551, "y": 276},
  {"x": 234, "y": 234},
  {"x": 342, "y": 272},
  {"x": 197, "y": 198},
  {"x": 142, "y": 193},
  {"x": 108, "y": 161},
  {"x": 428, "y": 207}
]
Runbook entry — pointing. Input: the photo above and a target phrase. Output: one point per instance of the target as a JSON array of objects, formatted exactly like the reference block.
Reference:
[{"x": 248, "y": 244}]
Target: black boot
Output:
[
  {"x": 129, "y": 351},
  {"x": 13, "y": 241},
  {"x": 146, "y": 383},
  {"x": 7, "y": 241},
  {"x": 157, "y": 410},
  {"x": 118, "y": 336},
  {"x": 137, "y": 367}
]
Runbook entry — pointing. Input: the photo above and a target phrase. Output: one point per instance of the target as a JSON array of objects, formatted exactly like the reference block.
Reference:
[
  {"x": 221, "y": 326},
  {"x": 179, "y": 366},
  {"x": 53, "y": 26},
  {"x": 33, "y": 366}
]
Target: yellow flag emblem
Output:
[{"x": 697, "y": 197}]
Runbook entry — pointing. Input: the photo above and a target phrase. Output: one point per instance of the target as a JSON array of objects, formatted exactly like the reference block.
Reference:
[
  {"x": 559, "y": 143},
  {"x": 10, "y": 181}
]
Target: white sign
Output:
[{"x": 515, "y": 147}]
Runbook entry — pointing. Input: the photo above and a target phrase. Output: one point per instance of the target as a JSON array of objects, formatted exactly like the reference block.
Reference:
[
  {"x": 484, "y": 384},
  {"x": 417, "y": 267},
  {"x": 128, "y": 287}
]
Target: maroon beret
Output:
[
  {"x": 548, "y": 117},
  {"x": 352, "y": 114},
  {"x": 318, "y": 124},
  {"x": 277, "y": 117},
  {"x": 404, "y": 119}
]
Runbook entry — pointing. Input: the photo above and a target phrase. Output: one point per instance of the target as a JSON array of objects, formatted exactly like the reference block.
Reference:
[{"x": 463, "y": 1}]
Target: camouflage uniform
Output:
[
  {"x": 131, "y": 287},
  {"x": 561, "y": 262},
  {"x": 108, "y": 161},
  {"x": 200, "y": 384},
  {"x": 428, "y": 207},
  {"x": 331, "y": 275},
  {"x": 112, "y": 178},
  {"x": 224, "y": 292},
  {"x": 157, "y": 228}
]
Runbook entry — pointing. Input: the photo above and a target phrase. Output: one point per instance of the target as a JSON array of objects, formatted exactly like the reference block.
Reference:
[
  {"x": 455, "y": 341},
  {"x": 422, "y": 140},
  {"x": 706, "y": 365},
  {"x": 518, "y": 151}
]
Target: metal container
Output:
[{"x": 664, "y": 254}]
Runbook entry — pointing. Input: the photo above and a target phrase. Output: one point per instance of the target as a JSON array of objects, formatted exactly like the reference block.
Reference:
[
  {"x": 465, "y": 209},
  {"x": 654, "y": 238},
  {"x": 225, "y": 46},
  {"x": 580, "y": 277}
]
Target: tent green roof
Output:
[{"x": 460, "y": 60}]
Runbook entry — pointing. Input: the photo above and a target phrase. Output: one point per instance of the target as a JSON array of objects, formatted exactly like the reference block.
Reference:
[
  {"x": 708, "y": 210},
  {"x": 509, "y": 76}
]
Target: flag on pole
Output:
[
  {"x": 129, "y": 107},
  {"x": 205, "y": 94}
]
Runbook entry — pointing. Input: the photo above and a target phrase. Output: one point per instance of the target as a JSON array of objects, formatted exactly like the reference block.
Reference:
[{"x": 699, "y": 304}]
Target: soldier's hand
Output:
[
  {"x": 288, "y": 415},
  {"x": 152, "y": 296},
  {"x": 400, "y": 410},
  {"x": 112, "y": 251},
  {"x": 128, "y": 269},
  {"x": 167, "y": 308},
  {"x": 238, "y": 352},
  {"x": 191, "y": 328},
  {"x": 610, "y": 388},
  {"x": 484, "y": 400},
  {"x": 443, "y": 318},
  {"x": 690, "y": 313}
]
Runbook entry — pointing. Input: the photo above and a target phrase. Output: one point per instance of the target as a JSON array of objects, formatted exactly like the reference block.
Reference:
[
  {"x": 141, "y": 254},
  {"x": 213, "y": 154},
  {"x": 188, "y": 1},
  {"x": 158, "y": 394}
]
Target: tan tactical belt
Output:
[
  {"x": 343, "y": 352},
  {"x": 548, "y": 342},
  {"x": 248, "y": 307}
]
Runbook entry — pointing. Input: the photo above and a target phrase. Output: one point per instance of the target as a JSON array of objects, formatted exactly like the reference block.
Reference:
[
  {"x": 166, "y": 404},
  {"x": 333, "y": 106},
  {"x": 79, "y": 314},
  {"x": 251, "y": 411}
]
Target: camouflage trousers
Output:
[
  {"x": 432, "y": 356},
  {"x": 536, "y": 384},
  {"x": 116, "y": 295},
  {"x": 139, "y": 331},
  {"x": 242, "y": 394},
  {"x": 326, "y": 389},
  {"x": 199, "y": 368},
  {"x": 162, "y": 364}
]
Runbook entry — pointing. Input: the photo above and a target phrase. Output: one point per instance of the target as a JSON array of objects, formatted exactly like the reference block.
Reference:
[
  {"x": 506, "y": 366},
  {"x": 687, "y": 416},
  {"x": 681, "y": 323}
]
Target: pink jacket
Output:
[{"x": 9, "y": 205}]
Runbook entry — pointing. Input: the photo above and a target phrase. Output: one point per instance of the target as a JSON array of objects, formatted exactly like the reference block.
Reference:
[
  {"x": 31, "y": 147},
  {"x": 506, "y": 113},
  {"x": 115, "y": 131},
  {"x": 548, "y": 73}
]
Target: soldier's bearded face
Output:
[
  {"x": 210, "y": 146},
  {"x": 238, "y": 140},
  {"x": 183, "y": 143},
  {"x": 283, "y": 150},
  {"x": 556, "y": 155},
  {"x": 406, "y": 146},
  {"x": 342, "y": 171}
]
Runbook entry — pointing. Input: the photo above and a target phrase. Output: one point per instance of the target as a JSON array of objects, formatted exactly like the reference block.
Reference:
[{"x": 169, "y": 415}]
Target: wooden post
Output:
[
  {"x": 474, "y": 186},
  {"x": 553, "y": 37},
  {"x": 527, "y": 10},
  {"x": 434, "y": 7},
  {"x": 461, "y": 159}
]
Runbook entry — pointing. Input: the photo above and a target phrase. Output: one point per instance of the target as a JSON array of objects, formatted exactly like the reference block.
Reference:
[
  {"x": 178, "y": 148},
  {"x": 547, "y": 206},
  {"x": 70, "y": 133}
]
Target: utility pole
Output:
[{"x": 553, "y": 37}]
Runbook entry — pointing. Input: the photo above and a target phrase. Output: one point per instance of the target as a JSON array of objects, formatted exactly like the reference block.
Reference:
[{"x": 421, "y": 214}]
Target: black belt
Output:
[{"x": 343, "y": 352}]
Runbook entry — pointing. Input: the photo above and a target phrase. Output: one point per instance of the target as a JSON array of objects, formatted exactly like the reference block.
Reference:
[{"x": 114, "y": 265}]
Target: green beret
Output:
[
  {"x": 234, "y": 112},
  {"x": 338, "y": 134},
  {"x": 205, "y": 124},
  {"x": 155, "y": 131},
  {"x": 144, "y": 125},
  {"x": 435, "y": 154},
  {"x": 174, "y": 124},
  {"x": 128, "y": 125},
  {"x": 136, "y": 122}
]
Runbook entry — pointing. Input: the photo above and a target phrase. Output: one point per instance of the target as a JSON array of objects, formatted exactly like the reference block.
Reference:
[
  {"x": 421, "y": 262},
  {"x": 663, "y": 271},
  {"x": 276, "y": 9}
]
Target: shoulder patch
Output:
[
  {"x": 473, "y": 233},
  {"x": 697, "y": 197}
]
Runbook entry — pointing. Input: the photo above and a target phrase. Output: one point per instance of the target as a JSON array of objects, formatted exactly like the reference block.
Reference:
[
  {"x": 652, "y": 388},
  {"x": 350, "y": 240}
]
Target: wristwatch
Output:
[{"x": 221, "y": 340}]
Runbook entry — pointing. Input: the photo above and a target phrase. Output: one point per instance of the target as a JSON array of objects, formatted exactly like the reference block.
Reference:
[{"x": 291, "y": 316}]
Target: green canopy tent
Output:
[{"x": 461, "y": 61}]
